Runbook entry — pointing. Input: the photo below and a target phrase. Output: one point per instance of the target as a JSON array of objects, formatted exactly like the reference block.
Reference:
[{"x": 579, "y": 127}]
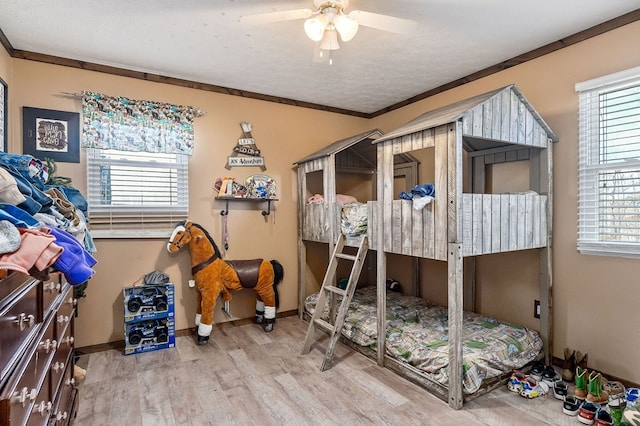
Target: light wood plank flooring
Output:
[{"x": 247, "y": 377}]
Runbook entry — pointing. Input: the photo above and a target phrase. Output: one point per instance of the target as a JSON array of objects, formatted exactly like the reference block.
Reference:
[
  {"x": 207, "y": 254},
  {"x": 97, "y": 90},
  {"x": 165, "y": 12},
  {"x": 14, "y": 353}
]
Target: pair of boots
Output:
[
  {"x": 573, "y": 359},
  {"x": 590, "y": 390}
]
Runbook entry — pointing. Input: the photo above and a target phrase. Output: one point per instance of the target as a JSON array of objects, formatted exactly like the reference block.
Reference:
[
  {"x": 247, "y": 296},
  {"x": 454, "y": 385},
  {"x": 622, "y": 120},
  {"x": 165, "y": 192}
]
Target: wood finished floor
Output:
[{"x": 247, "y": 377}]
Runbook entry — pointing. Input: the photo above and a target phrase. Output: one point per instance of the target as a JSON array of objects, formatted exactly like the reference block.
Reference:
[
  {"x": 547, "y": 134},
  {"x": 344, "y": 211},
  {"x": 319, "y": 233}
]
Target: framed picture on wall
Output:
[
  {"x": 4, "y": 117},
  {"x": 51, "y": 134}
]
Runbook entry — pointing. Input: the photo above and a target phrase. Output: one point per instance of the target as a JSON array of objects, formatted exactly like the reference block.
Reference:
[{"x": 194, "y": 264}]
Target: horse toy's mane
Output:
[{"x": 214, "y": 276}]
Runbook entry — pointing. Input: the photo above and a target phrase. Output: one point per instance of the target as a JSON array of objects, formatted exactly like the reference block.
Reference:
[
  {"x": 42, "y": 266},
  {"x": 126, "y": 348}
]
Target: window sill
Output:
[{"x": 121, "y": 234}]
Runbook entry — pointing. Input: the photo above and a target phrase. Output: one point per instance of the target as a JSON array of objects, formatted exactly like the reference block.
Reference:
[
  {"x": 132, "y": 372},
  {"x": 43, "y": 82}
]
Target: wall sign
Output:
[{"x": 246, "y": 153}]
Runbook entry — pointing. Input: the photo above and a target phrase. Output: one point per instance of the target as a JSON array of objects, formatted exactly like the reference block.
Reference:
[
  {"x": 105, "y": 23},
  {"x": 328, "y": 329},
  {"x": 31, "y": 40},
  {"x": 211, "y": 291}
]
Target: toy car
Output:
[
  {"x": 147, "y": 296},
  {"x": 152, "y": 329}
]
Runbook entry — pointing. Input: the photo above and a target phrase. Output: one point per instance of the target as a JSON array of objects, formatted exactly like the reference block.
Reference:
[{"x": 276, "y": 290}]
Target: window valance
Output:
[{"x": 137, "y": 125}]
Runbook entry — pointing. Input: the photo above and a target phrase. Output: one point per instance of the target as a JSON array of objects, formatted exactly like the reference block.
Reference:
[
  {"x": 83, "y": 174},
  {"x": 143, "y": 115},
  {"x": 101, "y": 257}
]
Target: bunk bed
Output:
[{"x": 495, "y": 127}]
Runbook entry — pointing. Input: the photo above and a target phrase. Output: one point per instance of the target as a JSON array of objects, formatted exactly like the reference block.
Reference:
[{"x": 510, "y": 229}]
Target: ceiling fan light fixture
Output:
[
  {"x": 330, "y": 39},
  {"x": 314, "y": 27},
  {"x": 346, "y": 26}
]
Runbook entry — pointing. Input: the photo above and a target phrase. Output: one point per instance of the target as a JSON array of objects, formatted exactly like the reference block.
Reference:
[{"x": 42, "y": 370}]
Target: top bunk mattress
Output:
[{"x": 418, "y": 334}]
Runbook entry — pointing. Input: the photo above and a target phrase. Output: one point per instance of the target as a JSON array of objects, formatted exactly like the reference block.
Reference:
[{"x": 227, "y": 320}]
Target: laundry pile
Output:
[{"x": 42, "y": 225}]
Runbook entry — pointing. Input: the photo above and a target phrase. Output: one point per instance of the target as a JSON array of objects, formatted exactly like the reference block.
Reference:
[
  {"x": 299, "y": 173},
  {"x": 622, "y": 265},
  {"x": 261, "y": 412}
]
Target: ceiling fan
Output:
[{"x": 330, "y": 20}]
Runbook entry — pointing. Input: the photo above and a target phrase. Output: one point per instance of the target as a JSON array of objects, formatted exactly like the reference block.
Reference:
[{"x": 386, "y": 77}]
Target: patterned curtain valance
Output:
[{"x": 135, "y": 125}]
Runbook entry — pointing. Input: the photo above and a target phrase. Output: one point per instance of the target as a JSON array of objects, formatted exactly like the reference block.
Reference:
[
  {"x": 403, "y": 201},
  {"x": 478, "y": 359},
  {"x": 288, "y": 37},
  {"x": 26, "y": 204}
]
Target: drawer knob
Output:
[
  {"x": 70, "y": 382},
  {"x": 24, "y": 395},
  {"x": 61, "y": 415},
  {"x": 42, "y": 408},
  {"x": 67, "y": 341},
  {"x": 25, "y": 320},
  {"x": 51, "y": 286},
  {"x": 47, "y": 345},
  {"x": 57, "y": 366},
  {"x": 63, "y": 318}
]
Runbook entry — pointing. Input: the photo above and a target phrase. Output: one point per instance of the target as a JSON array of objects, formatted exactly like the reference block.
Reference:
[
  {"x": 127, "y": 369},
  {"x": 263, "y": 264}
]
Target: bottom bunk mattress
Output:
[{"x": 418, "y": 334}]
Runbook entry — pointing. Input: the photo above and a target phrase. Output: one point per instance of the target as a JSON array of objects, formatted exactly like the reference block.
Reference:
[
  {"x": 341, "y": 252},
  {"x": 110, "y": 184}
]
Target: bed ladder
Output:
[{"x": 330, "y": 291}]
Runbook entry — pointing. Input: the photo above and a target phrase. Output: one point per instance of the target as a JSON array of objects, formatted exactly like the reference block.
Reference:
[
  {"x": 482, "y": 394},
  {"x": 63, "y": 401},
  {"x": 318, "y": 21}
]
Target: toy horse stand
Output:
[{"x": 215, "y": 276}]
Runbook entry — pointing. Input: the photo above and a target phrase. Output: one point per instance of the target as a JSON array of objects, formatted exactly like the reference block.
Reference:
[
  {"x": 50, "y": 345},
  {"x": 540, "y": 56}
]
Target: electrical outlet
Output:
[{"x": 536, "y": 309}]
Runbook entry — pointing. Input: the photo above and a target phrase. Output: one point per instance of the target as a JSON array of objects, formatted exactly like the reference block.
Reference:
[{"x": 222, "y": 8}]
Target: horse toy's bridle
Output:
[{"x": 200, "y": 266}]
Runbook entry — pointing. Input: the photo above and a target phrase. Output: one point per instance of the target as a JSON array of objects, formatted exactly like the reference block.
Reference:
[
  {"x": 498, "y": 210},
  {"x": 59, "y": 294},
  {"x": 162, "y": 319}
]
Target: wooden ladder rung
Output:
[
  {"x": 346, "y": 256},
  {"x": 336, "y": 290},
  {"x": 324, "y": 325}
]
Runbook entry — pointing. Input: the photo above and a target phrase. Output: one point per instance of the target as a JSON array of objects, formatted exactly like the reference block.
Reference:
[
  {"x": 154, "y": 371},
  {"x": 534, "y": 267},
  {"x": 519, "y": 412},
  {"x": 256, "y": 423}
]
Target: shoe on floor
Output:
[
  {"x": 603, "y": 418},
  {"x": 596, "y": 393},
  {"x": 580, "y": 390},
  {"x": 549, "y": 375},
  {"x": 569, "y": 365},
  {"x": 515, "y": 382},
  {"x": 587, "y": 412},
  {"x": 531, "y": 388},
  {"x": 560, "y": 390},
  {"x": 536, "y": 370},
  {"x": 571, "y": 405}
]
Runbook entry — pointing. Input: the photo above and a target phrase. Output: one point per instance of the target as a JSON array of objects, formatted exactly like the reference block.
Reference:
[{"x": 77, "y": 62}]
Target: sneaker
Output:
[
  {"x": 560, "y": 390},
  {"x": 571, "y": 405},
  {"x": 536, "y": 370},
  {"x": 531, "y": 388},
  {"x": 549, "y": 375},
  {"x": 603, "y": 418},
  {"x": 515, "y": 382},
  {"x": 587, "y": 412}
]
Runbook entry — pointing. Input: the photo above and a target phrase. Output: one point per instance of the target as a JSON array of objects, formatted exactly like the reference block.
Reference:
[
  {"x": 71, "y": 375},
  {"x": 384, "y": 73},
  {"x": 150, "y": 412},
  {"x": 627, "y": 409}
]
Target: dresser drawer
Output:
[
  {"x": 42, "y": 407},
  {"x": 64, "y": 405},
  {"x": 61, "y": 359},
  {"x": 12, "y": 285},
  {"x": 66, "y": 309},
  {"x": 19, "y": 321}
]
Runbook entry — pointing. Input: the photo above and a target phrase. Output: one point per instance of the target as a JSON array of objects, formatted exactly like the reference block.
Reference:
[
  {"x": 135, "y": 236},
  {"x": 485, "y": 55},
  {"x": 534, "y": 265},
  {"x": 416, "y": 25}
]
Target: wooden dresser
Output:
[{"x": 36, "y": 351}]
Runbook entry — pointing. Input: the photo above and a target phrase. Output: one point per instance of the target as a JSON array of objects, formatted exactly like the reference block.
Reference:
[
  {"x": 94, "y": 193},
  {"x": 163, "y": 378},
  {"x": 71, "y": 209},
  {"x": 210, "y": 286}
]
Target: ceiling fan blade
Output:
[
  {"x": 267, "y": 18},
  {"x": 384, "y": 22}
]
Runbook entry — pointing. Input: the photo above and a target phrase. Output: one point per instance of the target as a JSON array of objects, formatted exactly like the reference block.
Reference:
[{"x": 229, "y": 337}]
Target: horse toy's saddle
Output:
[{"x": 247, "y": 271}]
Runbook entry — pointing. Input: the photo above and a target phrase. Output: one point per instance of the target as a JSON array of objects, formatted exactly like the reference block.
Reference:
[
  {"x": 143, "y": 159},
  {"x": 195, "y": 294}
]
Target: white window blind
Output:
[
  {"x": 609, "y": 165},
  {"x": 136, "y": 194}
]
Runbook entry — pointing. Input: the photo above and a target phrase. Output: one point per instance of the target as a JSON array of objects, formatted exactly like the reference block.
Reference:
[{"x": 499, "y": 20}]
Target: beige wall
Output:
[{"x": 595, "y": 298}]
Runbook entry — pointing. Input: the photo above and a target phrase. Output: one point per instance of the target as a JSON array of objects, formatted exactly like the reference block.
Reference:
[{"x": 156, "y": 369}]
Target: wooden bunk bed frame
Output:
[{"x": 495, "y": 127}]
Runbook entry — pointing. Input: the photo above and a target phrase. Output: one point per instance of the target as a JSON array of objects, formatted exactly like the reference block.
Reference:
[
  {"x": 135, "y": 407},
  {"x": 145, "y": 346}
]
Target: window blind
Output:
[
  {"x": 609, "y": 165},
  {"x": 136, "y": 194}
]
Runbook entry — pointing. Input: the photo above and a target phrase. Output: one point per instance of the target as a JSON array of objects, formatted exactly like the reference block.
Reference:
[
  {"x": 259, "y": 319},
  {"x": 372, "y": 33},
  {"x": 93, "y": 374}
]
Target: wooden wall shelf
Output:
[{"x": 226, "y": 199}]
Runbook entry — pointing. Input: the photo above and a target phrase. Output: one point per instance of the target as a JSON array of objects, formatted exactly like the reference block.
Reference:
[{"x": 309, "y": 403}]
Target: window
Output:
[
  {"x": 137, "y": 158},
  {"x": 136, "y": 194},
  {"x": 609, "y": 165}
]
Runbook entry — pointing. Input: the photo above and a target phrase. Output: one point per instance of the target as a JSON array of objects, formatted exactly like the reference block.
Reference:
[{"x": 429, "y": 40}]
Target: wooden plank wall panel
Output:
[
  {"x": 496, "y": 124},
  {"x": 505, "y": 101},
  {"x": 396, "y": 226},
  {"x": 494, "y": 223},
  {"x": 486, "y": 224},
  {"x": 521, "y": 123},
  {"x": 315, "y": 222},
  {"x": 467, "y": 224},
  {"x": 406, "y": 236},
  {"x": 477, "y": 224},
  {"x": 496, "y": 220},
  {"x": 477, "y": 121},
  {"x": 429, "y": 232},
  {"x": 513, "y": 221},
  {"x": 487, "y": 119},
  {"x": 440, "y": 202},
  {"x": 372, "y": 223},
  {"x": 505, "y": 222},
  {"x": 417, "y": 240}
]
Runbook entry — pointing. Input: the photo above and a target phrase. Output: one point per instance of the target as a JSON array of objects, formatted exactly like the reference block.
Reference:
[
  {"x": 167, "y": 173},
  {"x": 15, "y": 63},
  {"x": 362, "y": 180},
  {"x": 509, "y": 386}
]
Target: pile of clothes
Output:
[{"x": 42, "y": 225}]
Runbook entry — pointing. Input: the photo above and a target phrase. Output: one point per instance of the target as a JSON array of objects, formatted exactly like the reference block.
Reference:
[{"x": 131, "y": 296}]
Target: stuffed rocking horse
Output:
[{"x": 215, "y": 276}]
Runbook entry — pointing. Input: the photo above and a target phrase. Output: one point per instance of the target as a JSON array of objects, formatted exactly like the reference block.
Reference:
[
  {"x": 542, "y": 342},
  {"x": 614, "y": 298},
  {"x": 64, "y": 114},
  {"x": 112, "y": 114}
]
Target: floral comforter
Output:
[{"x": 418, "y": 334}]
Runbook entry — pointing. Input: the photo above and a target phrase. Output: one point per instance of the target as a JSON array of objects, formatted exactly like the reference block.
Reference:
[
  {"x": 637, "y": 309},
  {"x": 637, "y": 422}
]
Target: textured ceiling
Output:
[{"x": 203, "y": 41}]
